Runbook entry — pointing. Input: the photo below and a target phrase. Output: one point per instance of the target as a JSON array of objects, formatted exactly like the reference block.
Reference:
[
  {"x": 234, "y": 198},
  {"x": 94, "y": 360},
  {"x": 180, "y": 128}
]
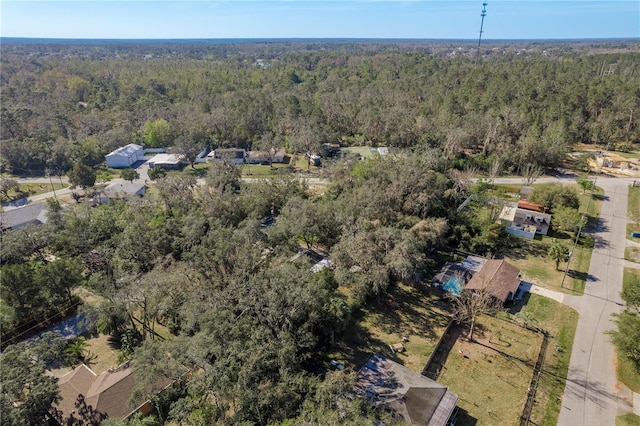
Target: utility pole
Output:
[
  {"x": 582, "y": 219},
  {"x": 483, "y": 14}
]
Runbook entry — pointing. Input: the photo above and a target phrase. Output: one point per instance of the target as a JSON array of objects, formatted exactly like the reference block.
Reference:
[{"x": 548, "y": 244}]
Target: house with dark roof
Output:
[
  {"x": 31, "y": 214},
  {"x": 415, "y": 398},
  {"x": 499, "y": 278},
  {"x": 232, "y": 155},
  {"x": 105, "y": 395}
]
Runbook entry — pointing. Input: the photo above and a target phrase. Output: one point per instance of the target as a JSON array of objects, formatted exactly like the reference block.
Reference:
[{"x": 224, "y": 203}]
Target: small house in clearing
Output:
[
  {"x": 415, "y": 398},
  {"x": 125, "y": 156},
  {"x": 499, "y": 278},
  {"x": 120, "y": 190},
  {"x": 525, "y": 219}
]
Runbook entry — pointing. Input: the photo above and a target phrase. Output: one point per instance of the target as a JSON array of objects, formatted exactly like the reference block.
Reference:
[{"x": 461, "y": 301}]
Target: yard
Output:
[
  {"x": 265, "y": 171},
  {"x": 560, "y": 323},
  {"x": 530, "y": 256},
  {"x": 490, "y": 375},
  {"x": 31, "y": 189},
  {"x": 417, "y": 314},
  {"x": 632, "y": 254}
]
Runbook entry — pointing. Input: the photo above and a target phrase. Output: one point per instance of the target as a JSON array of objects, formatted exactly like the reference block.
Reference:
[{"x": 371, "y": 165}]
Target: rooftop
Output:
[
  {"x": 416, "y": 398},
  {"x": 123, "y": 188},
  {"x": 126, "y": 150},
  {"x": 498, "y": 277},
  {"x": 31, "y": 213}
]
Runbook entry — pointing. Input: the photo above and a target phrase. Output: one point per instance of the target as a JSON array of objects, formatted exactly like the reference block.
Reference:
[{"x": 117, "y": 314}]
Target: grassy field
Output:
[
  {"x": 31, "y": 189},
  {"x": 628, "y": 419},
  {"x": 491, "y": 375},
  {"x": 560, "y": 323},
  {"x": 415, "y": 313}
]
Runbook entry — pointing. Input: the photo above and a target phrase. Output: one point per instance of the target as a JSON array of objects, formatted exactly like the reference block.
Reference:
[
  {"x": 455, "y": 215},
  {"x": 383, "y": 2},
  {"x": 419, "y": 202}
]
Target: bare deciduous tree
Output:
[
  {"x": 530, "y": 173},
  {"x": 470, "y": 304}
]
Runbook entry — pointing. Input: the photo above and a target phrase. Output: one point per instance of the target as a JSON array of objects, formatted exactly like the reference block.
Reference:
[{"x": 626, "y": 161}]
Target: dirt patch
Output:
[{"x": 101, "y": 354}]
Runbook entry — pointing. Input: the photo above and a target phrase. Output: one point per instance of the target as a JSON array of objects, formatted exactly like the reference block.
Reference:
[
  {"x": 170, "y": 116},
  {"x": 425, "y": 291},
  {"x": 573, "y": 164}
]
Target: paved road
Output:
[{"x": 592, "y": 394}]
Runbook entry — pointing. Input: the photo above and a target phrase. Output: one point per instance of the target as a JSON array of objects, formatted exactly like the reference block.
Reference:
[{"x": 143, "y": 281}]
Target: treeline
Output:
[
  {"x": 252, "y": 323},
  {"x": 527, "y": 106}
]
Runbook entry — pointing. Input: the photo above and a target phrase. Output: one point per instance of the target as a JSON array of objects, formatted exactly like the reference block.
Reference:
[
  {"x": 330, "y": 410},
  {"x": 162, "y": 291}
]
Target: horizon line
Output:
[{"x": 179, "y": 39}]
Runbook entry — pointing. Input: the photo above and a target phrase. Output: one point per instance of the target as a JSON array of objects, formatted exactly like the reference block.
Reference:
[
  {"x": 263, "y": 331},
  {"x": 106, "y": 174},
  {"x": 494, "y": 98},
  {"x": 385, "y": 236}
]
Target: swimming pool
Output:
[{"x": 454, "y": 285}]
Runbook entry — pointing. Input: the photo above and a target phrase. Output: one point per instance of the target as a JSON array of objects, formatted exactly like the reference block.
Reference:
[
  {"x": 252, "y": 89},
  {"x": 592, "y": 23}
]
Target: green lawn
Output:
[
  {"x": 633, "y": 227},
  {"x": 632, "y": 254},
  {"x": 260, "y": 171},
  {"x": 31, "y": 189},
  {"x": 560, "y": 322},
  {"x": 418, "y": 314},
  {"x": 531, "y": 258},
  {"x": 627, "y": 373},
  {"x": 633, "y": 207},
  {"x": 591, "y": 203},
  {"x": 628, "y": 419},
  {"x": 490, "y": 375}
]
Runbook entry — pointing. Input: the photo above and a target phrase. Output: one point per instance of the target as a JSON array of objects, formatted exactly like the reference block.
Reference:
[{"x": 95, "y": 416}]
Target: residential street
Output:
[{"x": 592, "y": 394}]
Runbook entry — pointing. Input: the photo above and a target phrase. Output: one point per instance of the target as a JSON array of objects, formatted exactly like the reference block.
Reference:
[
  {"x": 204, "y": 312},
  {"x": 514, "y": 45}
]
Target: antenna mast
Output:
[{"x": 483, "y": 14}]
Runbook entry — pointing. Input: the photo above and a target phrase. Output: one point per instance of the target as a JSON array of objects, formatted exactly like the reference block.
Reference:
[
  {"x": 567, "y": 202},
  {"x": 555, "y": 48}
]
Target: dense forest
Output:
[
  {"x": 252, "y": 325},
  {"x": 526, "y": 104}
]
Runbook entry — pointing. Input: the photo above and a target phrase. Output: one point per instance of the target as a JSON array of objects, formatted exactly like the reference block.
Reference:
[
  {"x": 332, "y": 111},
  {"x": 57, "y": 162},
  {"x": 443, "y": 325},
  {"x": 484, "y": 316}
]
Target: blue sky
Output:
[{"x": 506, "y": 19}]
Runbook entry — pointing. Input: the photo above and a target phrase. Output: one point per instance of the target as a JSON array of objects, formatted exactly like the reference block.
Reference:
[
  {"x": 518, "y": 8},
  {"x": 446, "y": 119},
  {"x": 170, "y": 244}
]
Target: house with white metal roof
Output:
[{"x": 125, "y": 156}]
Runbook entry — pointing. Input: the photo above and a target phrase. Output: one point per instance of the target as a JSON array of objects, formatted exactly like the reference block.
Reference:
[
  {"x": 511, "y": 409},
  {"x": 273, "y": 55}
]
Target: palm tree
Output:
[
  {"x": 77, "y": 348},
  {"x": 559, "y": 253}
]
